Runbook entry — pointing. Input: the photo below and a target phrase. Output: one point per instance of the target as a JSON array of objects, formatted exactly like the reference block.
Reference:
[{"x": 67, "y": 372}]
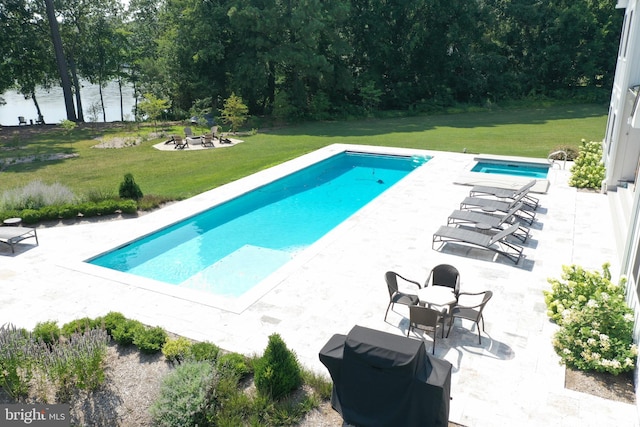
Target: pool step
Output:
[{"x": 239, "y": 271}]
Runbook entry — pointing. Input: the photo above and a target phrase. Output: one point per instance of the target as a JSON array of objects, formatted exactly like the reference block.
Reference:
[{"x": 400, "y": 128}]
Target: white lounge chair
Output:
[{"x": 12, "y": 235}]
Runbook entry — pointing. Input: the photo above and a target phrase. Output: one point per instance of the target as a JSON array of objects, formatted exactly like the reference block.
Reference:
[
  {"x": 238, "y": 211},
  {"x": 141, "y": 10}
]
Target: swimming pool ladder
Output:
[{"x": 553, "y": 161}]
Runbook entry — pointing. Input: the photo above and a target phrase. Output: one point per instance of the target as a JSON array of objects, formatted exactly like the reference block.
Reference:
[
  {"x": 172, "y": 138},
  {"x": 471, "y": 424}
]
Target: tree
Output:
[
  {"x": 234, "y": 112},
  {"x": 153, "y": 107},
  {"x": 61, "y": 61}
]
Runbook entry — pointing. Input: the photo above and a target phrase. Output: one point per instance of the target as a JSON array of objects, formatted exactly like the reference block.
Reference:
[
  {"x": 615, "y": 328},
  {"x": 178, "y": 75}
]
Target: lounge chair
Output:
[
  {"x": 207, "y": 140},
  {"x": 507, "y": 193},
  {"x": 180, "y": 143},
  {"x": 12, "y": 235},
  {"x": 495, "y": 242},
  {"x": 483, "y": 220},
  {"x": 525, "y": 213}
]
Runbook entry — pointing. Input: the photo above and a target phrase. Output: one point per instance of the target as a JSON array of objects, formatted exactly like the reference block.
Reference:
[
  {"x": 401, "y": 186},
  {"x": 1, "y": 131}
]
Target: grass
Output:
[{"x": 529, "y": 132}]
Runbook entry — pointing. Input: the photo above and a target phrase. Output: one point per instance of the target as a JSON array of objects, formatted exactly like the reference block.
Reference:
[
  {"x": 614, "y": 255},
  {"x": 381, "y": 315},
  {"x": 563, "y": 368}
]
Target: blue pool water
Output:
[
  {"x": 516, "y": 169},
  {"x": 231, "y": 247}
]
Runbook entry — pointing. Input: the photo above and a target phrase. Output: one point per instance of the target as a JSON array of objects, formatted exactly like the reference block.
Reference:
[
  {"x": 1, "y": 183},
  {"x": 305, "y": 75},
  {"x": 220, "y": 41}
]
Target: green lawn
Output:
[{"x": 530, "y": 132}]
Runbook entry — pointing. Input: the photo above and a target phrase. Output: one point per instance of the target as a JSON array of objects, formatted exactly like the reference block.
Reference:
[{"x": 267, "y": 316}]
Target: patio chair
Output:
[
  {"x": 21, "y": 121},
  {"x": 214, "y": 132},
  {"x": 470, "y": 312},
  {"x": 494, "y": 242},
  {"x": 444, "y": 275},
  {"x": 490, "y": 221},
  {"x": 12, "y": 235},
  {"x": 207, "y": 140},
  {"x": 190, "y": 137},
  {"x": 507, "y": 193},
  {"x": 180, "y": 143},
  {"x": 397, "y": 297},
  {"x": 427, "y": 320},
  {"x": 525, "y": 213}
]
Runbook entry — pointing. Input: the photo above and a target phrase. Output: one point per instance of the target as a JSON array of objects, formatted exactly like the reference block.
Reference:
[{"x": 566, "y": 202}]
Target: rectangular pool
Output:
[
  {"x": 231, "y": 247},
  {"x": 528, "y": 170}
]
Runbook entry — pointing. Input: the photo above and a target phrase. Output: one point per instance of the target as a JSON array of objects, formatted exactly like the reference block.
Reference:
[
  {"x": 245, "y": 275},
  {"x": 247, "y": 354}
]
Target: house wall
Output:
[{"x": 621, "y": 152}]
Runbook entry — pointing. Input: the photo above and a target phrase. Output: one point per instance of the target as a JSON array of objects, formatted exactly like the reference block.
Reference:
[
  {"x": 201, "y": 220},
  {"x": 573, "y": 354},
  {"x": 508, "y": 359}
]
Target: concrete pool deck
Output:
[{"x": 513, "y": 378}]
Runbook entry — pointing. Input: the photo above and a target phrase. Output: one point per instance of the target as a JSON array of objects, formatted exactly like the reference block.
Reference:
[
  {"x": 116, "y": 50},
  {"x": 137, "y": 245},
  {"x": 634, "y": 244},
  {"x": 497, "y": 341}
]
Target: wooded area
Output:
[{"x": 313, "y": 59}]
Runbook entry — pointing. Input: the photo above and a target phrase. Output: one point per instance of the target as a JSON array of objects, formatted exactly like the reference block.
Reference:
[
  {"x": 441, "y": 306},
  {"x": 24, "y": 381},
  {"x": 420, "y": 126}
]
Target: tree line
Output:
[{"x": 312, "y": 59}]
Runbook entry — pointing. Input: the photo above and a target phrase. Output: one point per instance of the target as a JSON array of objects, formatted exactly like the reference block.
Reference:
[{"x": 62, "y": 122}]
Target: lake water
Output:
[{"x": 52, "y": 104}]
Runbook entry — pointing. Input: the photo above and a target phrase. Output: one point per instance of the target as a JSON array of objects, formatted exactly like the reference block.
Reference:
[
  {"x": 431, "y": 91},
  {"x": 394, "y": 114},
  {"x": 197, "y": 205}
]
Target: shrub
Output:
[
  {"x": 150, "y": 340},
  {"x": 176, "y": 350},
  {"x": 30, "y": 216},
  {"x": 107, "y": 207},
  {"x": 35, "y": 195},
  {"x": 48, "y": 332},
  {"x": 571, "y": 150},
  {"x": 185, "y": 396},
  {"x": 18, "y": 354},
  {"x": 79, "y": 326},
  {"x": 129, "y": 189},
  {"x": 595, "y": 323},
  {"x": 111, "y": 320},
  {"x": 128, "y": 206},
  {"x": 124, "y": 331},
  {"x": 88, "y": 209},
  {"x": 233, "y": 364},
  {"x": 77, "y": 362},
  {"x": 598, "y": 336},
  {"x": 277, "y": 372},
  {"x": 68, "y": 211},
  {"x": 202, "y": 351},
  {"x": 588, "y": 169}
]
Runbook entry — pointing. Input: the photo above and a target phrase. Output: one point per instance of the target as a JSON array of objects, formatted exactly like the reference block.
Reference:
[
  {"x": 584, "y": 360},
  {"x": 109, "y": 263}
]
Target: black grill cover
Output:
[{"x": 381, "y": 379}]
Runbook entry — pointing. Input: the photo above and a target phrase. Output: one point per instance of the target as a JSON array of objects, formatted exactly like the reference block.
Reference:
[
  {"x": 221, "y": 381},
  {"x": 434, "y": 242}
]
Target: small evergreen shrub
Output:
[
  {"x": 588, "y": 169},
  {"x": 79, "y": 326},
  {"x": 107, "y": 207},
  {"x": 233, "y": 364},
  {"x": 150, "y": 340},
  {"x": 111, "y": 320},
  {"x": 128, "y": 206},
  {"x": 204, "y": 351},
  {"x": 124, "y": 332},
  {"x": 186, "y": 396},
  {"x": 177, "y": 350},
  {"x": 129, "y": 189},
  {"x": 30, "y": 216},
  {"x": 47, "y": 332},
  {"x": 277, "y": 372},
  {"x": 595, "y": 323}
]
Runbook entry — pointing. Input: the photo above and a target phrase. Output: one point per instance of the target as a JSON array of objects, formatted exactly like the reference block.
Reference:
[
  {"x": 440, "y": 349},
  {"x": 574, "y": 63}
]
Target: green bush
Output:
[
  {"x": 595, "y": 323},
  {"x": 48, "y": 332},
  {"x": 150, "y": 340},
  {"x": 107, "y": 207},
  {"x": 204, "y": 351},
  {"x": 124, "y": 332},
  {"x": 233, "y": 364},
  {"x": 18, "y": 356},
  {"x": 88, "y": 209},
  {"x": 588, "y": 169},
  {"x": 111, "y": 320},
  {"x": 68, "y": 211},
  {"x": 79, "y": 326},
  {"x": 185, "y": 397},
  {"x": 128, "y": 206},
  {"x": 129, "y": 189},
  {"x": 277, "y": 372},
  {"x": 177, "y": 350}
]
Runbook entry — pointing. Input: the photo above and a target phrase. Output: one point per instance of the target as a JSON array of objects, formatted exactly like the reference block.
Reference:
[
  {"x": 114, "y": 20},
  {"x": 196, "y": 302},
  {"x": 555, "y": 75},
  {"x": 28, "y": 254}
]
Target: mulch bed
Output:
[{"x": 613, "y": 387}]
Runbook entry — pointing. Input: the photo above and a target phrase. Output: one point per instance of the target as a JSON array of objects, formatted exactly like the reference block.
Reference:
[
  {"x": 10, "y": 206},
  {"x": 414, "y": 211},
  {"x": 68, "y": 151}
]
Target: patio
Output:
[{"x": 513, "y": 378}]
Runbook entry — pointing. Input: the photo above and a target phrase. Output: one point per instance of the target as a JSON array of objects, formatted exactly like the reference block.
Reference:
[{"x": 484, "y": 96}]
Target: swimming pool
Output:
[
  {"x": 528, "y": 170},
  {"x": 231, "y": 247}
]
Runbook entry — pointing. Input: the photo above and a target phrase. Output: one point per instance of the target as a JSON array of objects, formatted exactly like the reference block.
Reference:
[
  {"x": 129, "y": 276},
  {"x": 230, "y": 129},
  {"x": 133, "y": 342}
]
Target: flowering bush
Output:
[
  {"x": 576, "y": 287},
  {"x": 595, "y": 322},
  {"x": 588, "y": 169}
]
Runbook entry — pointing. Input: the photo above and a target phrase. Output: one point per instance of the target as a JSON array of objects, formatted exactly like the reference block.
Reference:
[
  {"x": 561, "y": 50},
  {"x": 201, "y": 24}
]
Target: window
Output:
[{"x": 627, "y": 30}]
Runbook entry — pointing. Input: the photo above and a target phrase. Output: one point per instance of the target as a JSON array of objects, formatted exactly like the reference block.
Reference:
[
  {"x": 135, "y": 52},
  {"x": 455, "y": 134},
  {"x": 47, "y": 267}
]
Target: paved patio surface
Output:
[{"x": 512, "y": 379}]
